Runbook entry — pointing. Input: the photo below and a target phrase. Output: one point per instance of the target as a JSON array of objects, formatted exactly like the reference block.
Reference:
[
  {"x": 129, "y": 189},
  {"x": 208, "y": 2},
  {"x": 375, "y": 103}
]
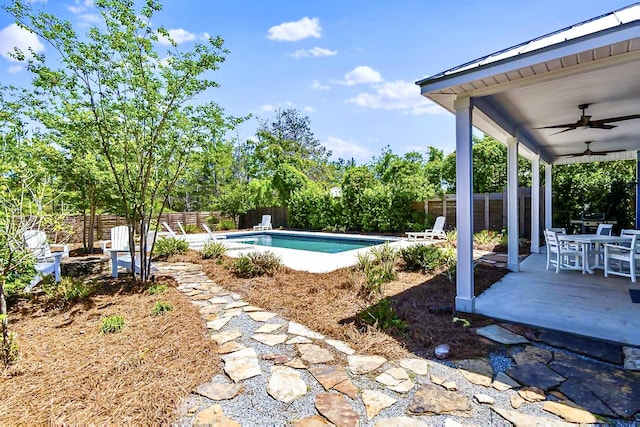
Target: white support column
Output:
[
  {"x": 512, "y": 204},
  {"x": 464, "y": 206},
  {"x": 548, "y": 212},
  {"x": 535, "y": 205}
]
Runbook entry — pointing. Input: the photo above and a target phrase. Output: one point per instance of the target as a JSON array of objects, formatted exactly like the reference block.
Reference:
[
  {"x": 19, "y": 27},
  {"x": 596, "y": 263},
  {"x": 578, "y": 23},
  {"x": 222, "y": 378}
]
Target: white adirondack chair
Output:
[
  {"x": 47, "y": 261},
  {"x": 436, "y": 231},
  {"x": 122, "y": 257},
  {"x": 119, "y": 240},
  {"x": 265, "y": 224}
]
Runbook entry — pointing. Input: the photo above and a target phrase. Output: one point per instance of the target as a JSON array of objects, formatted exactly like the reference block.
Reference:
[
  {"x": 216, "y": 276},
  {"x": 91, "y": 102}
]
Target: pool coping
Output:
[{"x": 313, "y": 262}]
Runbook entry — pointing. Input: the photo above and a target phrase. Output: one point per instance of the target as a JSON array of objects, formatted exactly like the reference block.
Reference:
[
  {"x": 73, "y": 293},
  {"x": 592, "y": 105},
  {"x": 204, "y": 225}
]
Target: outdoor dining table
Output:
[{"x": 587, "y": 241}]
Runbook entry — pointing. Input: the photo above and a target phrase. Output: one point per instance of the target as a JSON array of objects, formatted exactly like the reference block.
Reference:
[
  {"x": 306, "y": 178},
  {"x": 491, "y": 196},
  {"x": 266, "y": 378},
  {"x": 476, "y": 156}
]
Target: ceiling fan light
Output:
[{"x": 582, "y": 127}]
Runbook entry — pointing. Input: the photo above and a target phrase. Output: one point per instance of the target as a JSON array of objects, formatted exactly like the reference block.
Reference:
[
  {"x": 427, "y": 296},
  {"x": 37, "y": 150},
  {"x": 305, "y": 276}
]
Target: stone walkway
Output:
[{"x": 279, "y": 372}]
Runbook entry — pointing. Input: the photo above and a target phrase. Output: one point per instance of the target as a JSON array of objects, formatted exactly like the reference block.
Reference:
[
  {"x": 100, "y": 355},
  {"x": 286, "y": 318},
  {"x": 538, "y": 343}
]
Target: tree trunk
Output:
[
  {"x": 92, "y": 221},
  {"x": 5, "y": 322}
]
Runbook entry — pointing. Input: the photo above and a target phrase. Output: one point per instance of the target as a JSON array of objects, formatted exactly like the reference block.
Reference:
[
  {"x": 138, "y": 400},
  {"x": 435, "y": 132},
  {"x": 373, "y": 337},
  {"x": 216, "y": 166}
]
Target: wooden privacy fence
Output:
[
  {"x": 489, "y": 210},
  {"x": 279, "y": 217},
  {"x": 104, "y": 222}
]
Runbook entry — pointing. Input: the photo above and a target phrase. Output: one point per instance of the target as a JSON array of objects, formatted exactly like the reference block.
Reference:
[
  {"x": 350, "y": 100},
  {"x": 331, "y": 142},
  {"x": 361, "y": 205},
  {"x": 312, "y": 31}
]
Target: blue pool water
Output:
[{"x": 328, "y": 245}]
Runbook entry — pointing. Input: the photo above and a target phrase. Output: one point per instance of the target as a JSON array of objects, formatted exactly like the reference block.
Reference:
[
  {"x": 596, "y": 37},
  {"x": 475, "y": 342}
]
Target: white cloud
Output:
[
  {"x": 315, "y": 52},
  {"x": 83, "y": 10},
  {"x": 347, "y": 149},
  {"x": 296, "y": 30},
  {"x": 13, "y": 69},
  {"x": 361, "y": 74},
  {"x": 309, "y": 109},
  {"x": 13, "y": 36},
  {"x": 315, "y": 85},
  {"x": 397, "y": 95},
  {"x": 88, "y": 19},
  {"x": 268, "y": 108},
  {"x": 180, "y": 35},
  {"x": 80, "y": 6}
]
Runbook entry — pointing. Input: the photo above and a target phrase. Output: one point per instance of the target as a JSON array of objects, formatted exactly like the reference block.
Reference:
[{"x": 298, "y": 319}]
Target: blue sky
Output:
[{"x": 349, "y": 65}]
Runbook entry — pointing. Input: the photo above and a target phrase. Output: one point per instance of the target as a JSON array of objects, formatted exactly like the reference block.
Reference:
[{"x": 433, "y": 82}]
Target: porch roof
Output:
[{"x": 541, "y": 83}]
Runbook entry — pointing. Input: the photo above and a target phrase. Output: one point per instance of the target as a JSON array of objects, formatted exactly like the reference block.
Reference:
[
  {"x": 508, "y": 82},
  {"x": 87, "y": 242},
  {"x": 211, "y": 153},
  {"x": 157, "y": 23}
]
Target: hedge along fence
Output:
[
  {"x": 105, "y": 222},
  {"x": 489, "y": 211}
]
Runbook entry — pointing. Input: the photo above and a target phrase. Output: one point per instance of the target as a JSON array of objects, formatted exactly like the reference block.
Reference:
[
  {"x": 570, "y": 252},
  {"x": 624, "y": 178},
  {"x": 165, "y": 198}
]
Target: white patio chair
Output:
[
  {"x": 597, "y": 250},
  {"x": 622, "y": 259},
  {"x": 562, "y": 255},
  {"x": 122, "y": 258},
  {"x": 604, "y": 229},
  {"x": 119, "y": 240},
  {"x": 47, "y": 261},
  {"x": 265, "y": 224},
  {"x": 37, "y": 242},
  {"x": 212, "y": 237},
  {"x": 436, "y": 231},
  {"x": 558, "y": 230}
]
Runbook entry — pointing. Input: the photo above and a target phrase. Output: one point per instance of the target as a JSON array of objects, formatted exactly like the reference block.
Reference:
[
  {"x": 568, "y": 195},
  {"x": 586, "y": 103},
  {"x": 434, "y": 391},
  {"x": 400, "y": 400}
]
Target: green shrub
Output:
[
  {"x": 68, "y": 290},
  {"x": 383, "y": 316},
  {"x": 213, "y": 250},
  {"x": 425, "y": 258},
  {"x": 265, "y": 262},
  {"x": 8, "y": 349},
  {"x": 257, "y": 264},
  {"x": 162, "y": 307},
  {"x": 378, "y": 266},
  {"x": 452, "y": 238},
  {"x": 227, "y": 224},
  {"x": 243, "y": 267},
  {"x": 212, "y": 221},
  {"x": 111, "y": 324},
  {"x": 168, "y": 246},
  {"x": 191, "y": 229},
  {"x": 157, "y": 289},
  {"x": 486, "y": 239}
]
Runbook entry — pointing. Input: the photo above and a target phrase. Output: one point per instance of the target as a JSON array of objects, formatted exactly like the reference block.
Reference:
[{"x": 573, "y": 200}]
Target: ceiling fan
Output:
[
  {"x": 588, "y": 152},
  {"x": 585, "y": 122}
]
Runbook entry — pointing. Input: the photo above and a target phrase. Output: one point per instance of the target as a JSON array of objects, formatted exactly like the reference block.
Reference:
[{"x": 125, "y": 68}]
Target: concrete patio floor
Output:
[{"x": 587, "y": 305}]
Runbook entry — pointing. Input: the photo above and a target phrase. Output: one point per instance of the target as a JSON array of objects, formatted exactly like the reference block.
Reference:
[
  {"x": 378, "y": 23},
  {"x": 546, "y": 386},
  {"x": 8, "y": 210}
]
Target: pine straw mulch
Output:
[
  {"x": 69, "y": 373},
  {"x": 328, "y": 303}
]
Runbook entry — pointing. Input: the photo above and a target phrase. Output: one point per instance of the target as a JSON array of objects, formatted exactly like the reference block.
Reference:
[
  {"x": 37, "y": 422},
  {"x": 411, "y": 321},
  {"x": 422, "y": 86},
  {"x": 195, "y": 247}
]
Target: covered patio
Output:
[
  {"x": 545, "y": 99},
  {"x": 583, "y": 304}
]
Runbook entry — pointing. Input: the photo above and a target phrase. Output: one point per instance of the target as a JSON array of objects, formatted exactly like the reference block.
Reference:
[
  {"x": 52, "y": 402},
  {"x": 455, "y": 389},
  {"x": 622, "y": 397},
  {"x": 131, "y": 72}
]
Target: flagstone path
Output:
[{"x": 279, "y": 372}]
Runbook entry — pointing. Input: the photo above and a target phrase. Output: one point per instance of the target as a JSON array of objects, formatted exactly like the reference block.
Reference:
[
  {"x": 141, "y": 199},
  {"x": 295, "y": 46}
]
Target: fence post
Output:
[{"x": 486, "y": 211}]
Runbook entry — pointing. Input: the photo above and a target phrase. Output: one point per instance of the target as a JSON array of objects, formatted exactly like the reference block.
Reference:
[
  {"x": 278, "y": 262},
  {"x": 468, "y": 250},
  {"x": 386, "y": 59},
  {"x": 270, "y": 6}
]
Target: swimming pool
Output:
[{"x": 306, "y": 242}]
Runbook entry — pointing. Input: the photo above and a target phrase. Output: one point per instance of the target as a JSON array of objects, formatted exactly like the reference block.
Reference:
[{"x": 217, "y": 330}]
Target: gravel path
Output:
[{"x": 255, "y": 406}]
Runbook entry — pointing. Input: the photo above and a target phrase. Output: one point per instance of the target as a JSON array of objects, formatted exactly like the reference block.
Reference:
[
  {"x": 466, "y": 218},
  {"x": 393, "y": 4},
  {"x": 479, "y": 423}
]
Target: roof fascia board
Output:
[
  {"x": 569, "y": 47},
  {"x": 552, "y": 75}
]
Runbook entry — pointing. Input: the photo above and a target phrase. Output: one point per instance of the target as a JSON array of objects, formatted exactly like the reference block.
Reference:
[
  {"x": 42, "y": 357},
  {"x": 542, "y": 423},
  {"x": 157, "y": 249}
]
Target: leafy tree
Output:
[
  {"x": 287, "y": 138},
  {"x": 286, "y": 179},
  {"x": 134, "y": 106},
  {"x": 234, "y": 200},
  {"x": 594, "y": 187},
  {"x": 489, "y": 167},
  {"x": 356, "y": 181}
]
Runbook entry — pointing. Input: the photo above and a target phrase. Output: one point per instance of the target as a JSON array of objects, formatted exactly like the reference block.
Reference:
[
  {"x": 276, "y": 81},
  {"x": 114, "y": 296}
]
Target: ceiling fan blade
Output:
[
  {"x": 604, "y": 153},
  {"x": 602, "y": 126},
  {"x": 568, "y": 125},
  {"x": 615, "y": 119},
  {"x": 563, "y": 131}
]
